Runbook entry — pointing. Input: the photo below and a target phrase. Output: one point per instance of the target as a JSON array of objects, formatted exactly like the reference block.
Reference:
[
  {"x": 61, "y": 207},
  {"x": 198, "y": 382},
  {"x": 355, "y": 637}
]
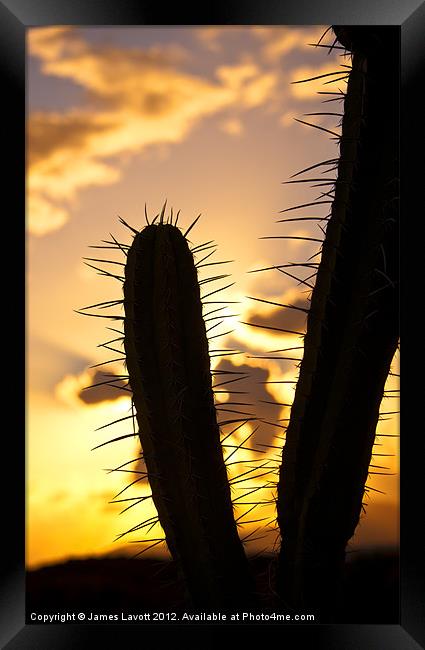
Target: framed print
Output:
[{"x": 210, "y": 207}]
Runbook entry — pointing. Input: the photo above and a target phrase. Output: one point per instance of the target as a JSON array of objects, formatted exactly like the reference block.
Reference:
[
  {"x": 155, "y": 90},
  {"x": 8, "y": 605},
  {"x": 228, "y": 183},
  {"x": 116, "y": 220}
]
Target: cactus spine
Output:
[
  {"x": 352, "y": 335},
  {"x": 168, "y": 363}
]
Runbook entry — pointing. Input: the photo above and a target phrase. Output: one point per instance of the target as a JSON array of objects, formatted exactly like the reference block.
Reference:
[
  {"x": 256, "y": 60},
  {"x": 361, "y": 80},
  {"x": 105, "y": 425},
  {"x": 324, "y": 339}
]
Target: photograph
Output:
[
  {"x": 213, "y": 364},
  {"x": 211, "y": 206}
]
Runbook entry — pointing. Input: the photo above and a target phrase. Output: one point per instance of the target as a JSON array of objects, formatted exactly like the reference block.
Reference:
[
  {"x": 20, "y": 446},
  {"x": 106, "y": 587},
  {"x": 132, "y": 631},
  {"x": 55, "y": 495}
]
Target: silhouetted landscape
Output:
[{"x": 111, "y": 585}]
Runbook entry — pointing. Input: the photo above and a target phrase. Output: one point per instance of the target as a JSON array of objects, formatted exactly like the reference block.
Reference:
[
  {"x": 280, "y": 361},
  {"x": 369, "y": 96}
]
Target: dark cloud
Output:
[
  {"x": 47, "y": 133},
  {"x": 256, "y": 393},
  {"x": 283, "y": 317},
  {"x": 104, "y": 392},
  {"x": 156, "y": 103},
  {"x": 238, "y": 345}
]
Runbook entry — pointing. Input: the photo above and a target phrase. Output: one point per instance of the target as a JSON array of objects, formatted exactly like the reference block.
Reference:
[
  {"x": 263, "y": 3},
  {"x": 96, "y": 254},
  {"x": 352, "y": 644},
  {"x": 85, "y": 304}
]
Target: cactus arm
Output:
[
  {"x": 352, "y": 334},
  {"x": 169, "y": 369}
]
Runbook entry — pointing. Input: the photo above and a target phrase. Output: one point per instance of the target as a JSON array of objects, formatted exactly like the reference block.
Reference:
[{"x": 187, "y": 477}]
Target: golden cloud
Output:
[
  {"x": 135, "y": 98},
  {"x": 43, "y": 215},
  {"x": 281, "y": 41},
  {"x": 330, "y": 79},
  {"x": 49, "y": 43}
]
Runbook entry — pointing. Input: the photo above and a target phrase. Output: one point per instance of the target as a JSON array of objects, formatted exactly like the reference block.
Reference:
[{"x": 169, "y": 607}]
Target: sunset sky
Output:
[{"x": 202, "y": 117}]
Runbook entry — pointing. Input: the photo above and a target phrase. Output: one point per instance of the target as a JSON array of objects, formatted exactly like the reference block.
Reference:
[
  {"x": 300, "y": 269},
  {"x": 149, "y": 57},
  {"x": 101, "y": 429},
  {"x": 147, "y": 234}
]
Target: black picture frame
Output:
[{"x": 15, "y": 17}]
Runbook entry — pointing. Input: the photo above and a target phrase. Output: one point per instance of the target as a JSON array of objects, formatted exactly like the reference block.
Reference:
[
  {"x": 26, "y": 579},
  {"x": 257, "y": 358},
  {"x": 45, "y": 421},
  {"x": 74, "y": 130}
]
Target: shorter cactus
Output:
[{"x": 166, "y": 349}]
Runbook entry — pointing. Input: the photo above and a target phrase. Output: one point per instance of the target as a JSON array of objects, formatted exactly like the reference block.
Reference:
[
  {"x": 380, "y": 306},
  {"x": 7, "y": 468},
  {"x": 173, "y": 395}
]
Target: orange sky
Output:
[{"x": 202, "y": 117}]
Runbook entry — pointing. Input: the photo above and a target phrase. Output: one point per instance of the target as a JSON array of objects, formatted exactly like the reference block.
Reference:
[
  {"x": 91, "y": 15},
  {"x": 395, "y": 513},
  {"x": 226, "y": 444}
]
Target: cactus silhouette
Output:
[
  {"x": 351, "y": 337},
  {"x": 166, "y": 349}
]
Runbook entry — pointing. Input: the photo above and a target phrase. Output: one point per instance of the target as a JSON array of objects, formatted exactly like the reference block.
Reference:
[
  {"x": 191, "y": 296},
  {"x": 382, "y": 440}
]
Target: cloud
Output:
[
  {"x": 49, "y": 43},
  {"x": 43, "y": 215},
  {"x": 136, "y": 98},
  {"x": 62, "y": 160},
  {"x": 281, "y": 41},
  {"x": 105, "y": 392},
  {"x": 257, "y": 394},
  {"x": 258, "y": 91},
  {"x": 83, "y": 389},
  {"x": 256, "y": 390},
  {"x": 331, "y": 83},
  {"x": 270, "y": 315},
  {"x": 73, "y": 130},
  {"x": 268, "y": 284},
  {"x": 282, "y": 317}
]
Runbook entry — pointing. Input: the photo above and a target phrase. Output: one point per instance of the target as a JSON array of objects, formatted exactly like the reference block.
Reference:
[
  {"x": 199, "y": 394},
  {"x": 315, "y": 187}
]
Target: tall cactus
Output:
[
  {"x": 167, "y": 357},
  {"x": 352, "y": 334}
]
